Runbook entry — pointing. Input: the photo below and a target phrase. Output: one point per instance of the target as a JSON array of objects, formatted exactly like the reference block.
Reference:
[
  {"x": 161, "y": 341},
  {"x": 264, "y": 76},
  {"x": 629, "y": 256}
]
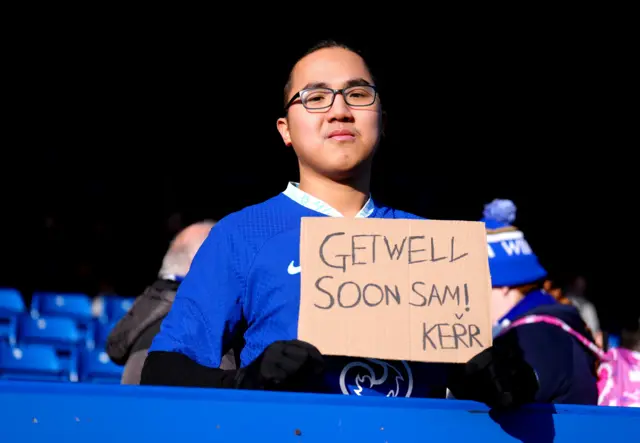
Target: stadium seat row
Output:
[
  {"x": 62, "y": 332},
  {"x": 76, "y": 306},
  {"x": 41, "y": 362},
  {"x": 58, "y": 338}
]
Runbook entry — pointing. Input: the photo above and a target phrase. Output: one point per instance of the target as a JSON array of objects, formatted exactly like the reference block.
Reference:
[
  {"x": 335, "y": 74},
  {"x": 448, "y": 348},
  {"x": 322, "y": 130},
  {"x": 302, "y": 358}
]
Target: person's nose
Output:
[{"x": 340, "y": 111}]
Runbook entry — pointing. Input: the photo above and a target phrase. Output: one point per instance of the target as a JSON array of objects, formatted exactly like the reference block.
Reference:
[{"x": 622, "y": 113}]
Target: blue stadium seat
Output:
[
  {"x": 11, "y": 302},
  {"x": 97, "y": 367},
  {"x": 8, "y": 329},
  {"x": 30, "y": 362},
  {"x": 116, "y": 307},
  {"x": 88, "y": 335},
  {"x": 59, "y": 332},
  {"x": 102, "y": 333},
  {"x": 613, "y": 341},
  {"x": 76, "y": 306}
]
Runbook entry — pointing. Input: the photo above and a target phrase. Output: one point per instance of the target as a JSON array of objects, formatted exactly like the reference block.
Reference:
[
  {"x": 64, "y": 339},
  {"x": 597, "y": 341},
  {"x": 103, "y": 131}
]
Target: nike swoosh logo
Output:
[{"x": 292, "y": 269}]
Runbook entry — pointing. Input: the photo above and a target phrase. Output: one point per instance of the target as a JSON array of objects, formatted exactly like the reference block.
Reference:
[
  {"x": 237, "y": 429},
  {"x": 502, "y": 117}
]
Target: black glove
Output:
[
  {"x": 291, "y": 365},
  {"x": 498, "y": 376}
]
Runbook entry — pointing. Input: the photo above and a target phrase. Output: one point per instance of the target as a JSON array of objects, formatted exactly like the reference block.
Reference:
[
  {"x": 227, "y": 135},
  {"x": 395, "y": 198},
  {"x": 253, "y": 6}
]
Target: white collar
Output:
[{"x": 296, "y": 194}]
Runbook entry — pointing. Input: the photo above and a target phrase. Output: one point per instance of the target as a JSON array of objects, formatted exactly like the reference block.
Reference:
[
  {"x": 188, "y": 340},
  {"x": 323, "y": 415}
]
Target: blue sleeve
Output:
[{"x": 208, "y": 305}]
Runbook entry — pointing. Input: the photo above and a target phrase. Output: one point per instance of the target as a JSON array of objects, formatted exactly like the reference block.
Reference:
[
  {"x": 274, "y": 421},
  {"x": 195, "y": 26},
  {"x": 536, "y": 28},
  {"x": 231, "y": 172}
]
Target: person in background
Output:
[
  {"x": 130, "y": 339},
  {"x": 585, "y": 307},
  {"x": 576, "y": 294},
  {"x": 245, "y": 280},
  {"x": 564, "y": 366},
  {"x": 554, "y": 288}
]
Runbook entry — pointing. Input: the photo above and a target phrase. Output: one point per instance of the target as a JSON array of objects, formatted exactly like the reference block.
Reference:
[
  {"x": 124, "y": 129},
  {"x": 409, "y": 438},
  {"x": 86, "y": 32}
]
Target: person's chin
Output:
[{"x": 345, "y": 168}]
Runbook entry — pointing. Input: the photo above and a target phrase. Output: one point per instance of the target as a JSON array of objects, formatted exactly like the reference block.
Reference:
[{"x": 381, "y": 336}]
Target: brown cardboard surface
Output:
[{"x": 416, "y": 290}]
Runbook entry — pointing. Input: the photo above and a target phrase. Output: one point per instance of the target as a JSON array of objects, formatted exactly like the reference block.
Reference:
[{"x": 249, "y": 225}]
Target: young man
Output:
[
  {"x": 245, "y": 280},
  {"x": 564, "y": 366}
]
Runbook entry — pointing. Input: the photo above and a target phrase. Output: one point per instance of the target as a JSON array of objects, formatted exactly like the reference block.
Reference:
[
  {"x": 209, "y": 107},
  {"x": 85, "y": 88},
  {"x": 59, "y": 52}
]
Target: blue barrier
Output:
[{"x": 87, "y": 413}]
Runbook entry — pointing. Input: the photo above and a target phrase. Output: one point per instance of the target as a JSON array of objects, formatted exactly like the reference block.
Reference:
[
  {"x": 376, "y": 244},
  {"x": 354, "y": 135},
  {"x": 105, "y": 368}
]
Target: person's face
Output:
[
  {"x": 333, "y": 141},
  {"x": 503, "y": 299}
]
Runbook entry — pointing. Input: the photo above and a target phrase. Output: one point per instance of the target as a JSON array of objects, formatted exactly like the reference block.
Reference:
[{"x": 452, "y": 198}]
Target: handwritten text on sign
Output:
[{"x": 395, "y": 289}]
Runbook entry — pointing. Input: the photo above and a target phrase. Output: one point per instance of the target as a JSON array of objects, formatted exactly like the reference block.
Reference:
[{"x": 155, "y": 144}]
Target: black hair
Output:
[{"x": 323, "y": 44}]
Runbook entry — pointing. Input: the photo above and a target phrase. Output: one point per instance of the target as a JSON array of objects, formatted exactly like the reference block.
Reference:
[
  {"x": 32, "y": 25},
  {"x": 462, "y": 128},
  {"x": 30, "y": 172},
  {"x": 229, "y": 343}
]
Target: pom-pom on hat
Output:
[{"x": 511, "y": 260}]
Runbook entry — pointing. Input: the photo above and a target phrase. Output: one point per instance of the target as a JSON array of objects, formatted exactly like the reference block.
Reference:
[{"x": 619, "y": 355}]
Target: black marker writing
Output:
[
  {"x": 361, "y": 249},
  {"x": 350, "y": 294},
  {"x": 447, "y": 336},
  {"x": 323, "y": 258},
  {"x": 437, "y": 294}
]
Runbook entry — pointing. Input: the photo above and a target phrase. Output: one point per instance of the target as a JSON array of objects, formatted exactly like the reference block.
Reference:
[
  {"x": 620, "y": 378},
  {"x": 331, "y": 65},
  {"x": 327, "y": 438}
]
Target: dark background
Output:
[{"x": 125, "y": 134}]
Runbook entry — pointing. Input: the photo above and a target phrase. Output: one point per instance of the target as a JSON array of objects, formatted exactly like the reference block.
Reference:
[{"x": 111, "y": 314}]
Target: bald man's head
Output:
[
  {"x": 183, "y": 248},
  {"x": 193, "y": 234}
]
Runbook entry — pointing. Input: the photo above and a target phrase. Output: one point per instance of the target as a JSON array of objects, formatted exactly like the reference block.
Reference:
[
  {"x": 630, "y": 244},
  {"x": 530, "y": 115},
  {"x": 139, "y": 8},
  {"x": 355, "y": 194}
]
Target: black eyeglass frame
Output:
[{"x": 334, "y": 92}]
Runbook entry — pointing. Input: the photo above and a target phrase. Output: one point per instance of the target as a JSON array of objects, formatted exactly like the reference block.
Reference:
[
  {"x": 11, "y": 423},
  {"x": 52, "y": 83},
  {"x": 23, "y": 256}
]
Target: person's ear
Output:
[{"x": 283, "y": 129}]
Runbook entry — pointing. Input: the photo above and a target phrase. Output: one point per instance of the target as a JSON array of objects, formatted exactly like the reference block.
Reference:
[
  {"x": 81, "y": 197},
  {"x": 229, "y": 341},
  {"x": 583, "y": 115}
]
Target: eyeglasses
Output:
[{"x": 323, "y": 98}]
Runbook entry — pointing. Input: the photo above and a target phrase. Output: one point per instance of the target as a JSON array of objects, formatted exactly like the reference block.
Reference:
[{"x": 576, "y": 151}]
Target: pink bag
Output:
[
  {"x": 618, "y": 369},
  {"x": 619, "y": 378}
]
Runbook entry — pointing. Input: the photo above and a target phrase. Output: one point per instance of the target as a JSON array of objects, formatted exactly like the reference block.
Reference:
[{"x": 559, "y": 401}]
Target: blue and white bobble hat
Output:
[{"x": 511, "y": 260}]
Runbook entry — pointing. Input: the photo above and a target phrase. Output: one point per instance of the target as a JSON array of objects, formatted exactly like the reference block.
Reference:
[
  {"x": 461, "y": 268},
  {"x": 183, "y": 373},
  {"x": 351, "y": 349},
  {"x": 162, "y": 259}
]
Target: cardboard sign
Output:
[{"x": 415, "y": 290}]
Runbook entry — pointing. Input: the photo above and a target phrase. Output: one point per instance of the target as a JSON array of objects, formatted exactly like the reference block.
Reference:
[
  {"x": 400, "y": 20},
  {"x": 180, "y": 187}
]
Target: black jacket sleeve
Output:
[
  {"x": 290, "y": 365},
  {"x": 499, "y": 376},
  {"x": 565, "y": 368},
  {"x": 144, "y": 317},
  {"x": 175, "y": 369}
]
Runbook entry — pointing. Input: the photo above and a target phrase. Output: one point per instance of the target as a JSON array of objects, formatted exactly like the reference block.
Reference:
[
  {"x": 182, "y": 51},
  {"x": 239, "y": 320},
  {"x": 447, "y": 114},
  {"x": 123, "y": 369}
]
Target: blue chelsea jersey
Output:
[{"x": 245, "y": 279}]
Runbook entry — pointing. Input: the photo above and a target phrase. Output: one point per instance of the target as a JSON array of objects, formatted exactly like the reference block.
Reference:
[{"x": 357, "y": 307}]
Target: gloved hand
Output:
[
  {"x": 498, "y": 376},
  {"x": 291, "y": 365}
]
